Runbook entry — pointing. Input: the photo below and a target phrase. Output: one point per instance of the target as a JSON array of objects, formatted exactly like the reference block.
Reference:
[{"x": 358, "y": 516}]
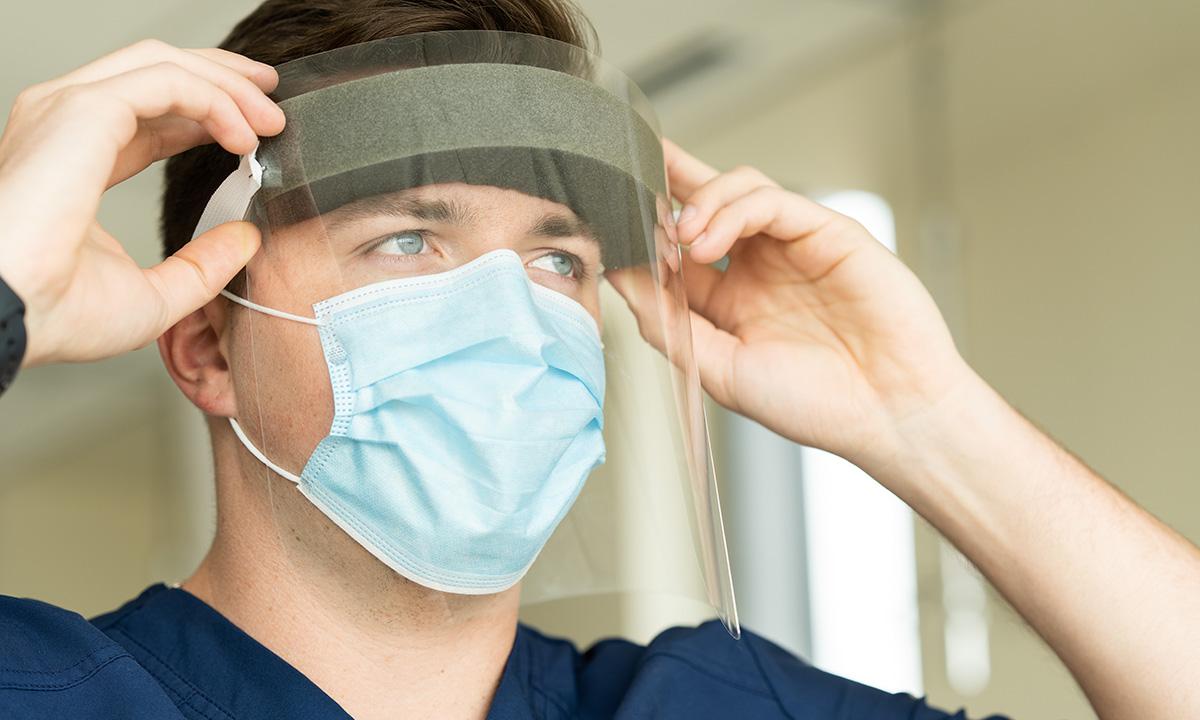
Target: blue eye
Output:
[
  {"x": 556, "y": 262},
  {"x": 409, "y": 242}
]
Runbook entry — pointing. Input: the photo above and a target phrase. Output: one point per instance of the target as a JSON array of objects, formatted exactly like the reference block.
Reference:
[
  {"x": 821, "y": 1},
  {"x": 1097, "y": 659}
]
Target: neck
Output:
[{"x": 378, "y": 644}]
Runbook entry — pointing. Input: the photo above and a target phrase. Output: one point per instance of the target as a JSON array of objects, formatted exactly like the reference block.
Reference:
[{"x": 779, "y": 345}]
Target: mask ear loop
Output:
[
  {"x": 270, "y": 311},
  {"x": 237, "y": 430}
]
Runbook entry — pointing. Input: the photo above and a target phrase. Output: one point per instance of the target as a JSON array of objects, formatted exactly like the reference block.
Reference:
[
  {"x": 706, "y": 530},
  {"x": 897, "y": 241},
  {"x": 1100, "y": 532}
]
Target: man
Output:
[{"x": 812, "y": 314}]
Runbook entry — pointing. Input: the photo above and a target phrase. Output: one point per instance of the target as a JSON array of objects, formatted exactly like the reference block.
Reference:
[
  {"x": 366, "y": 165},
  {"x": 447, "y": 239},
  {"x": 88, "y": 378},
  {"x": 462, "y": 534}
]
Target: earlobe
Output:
[{"x": 195, "y": 358}]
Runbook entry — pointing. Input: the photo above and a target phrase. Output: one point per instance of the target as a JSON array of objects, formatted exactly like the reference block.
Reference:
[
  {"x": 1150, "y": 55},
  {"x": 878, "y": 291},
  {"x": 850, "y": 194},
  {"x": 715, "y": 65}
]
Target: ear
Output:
[{"x": 194, "y": 351}]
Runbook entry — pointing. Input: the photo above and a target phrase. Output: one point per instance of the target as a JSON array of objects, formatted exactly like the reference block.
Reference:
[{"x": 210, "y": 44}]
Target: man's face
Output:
[{"x": 280, "y": 375}]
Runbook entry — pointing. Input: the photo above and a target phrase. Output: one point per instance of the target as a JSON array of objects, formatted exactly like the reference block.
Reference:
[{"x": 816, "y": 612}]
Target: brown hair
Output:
[{"x": 282, "y": 30}]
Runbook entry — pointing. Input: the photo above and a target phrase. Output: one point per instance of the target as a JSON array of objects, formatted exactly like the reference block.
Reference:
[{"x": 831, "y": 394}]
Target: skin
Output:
[
  {"x": 349, "y": 623},
  {"x": 812, "y": 313}
]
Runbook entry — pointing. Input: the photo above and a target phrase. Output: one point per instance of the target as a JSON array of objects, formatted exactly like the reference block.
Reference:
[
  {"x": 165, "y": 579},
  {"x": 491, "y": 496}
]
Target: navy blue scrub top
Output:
[{"x": 167, "y": 654}]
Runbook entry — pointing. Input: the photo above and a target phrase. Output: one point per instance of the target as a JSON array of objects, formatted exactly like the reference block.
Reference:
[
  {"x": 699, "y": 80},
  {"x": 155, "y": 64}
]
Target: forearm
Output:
[{"x": 1113, "y": 591}]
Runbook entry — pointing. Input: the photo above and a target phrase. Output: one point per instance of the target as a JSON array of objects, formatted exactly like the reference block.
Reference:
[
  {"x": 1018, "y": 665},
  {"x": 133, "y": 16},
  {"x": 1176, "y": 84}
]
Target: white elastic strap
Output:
[
  {"x": 270, "y": 311},
  {"x": 232, "y": 197},
  {"x": 237, "y": 430},
  {"x": 229, "y": 203}
]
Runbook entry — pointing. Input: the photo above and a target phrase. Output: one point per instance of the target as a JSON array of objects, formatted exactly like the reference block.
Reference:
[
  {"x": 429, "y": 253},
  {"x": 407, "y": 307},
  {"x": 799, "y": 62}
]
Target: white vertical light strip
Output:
[
  {"x": 966, "y": 636},
  {"x": 862, "y": 575},
  {"x": 767, "y": 549}
]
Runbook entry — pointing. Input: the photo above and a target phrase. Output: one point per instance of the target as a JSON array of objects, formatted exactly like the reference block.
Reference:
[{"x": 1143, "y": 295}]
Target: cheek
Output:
[
  {"x": 286, "y": 405},
  {"x": 591, "y": 303},
  {"x": 594, "y": 310}
]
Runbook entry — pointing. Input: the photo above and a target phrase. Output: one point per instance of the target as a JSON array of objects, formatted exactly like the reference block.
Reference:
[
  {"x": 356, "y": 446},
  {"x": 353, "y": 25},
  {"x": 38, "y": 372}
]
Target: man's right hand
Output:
[{"x": 70, "y": 139}]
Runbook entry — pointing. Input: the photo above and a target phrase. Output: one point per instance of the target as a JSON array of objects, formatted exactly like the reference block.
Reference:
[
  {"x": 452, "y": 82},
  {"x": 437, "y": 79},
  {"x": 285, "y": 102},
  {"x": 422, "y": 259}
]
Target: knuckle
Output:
[
  {"x": 150, "y": 46},
  {"x": 162, "y": 309},
  {"x": 730, "y": 218},
  {"x": 720, "y": 215},
  {"x": 28, "y": 96},
  {"x": 167, "y": 67},
  {"x": 197, "y": 270},
  {"x": 175, "y": 79},
  {"x": 89, "y": 100},
  {"x": 768, "y": 197},
  {"x": 841, "y": 224},
  {"x": 78, "y": 96},
  {"x": 752, "y": 174},
  {"x": 707, "y": 195}
]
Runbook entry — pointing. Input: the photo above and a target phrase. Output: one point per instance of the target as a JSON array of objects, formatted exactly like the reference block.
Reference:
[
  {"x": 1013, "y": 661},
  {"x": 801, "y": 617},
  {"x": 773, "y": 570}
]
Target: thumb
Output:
[
  {"x": 200, "y": 269},
  {"x": 712, "y": 348}
]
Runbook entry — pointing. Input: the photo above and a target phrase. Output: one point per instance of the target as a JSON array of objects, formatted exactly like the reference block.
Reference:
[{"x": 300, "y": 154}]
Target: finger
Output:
[
  {"x": 262, "y": 74},
  {"x": 151, "y": 52},
  {"x": 685, "y": 174},
  {"x": 156, "y": 140},
  {"x": 197, "y": 272},
  {"x": 105, "y": 117},
  {"x": 714, "y": 350},
  {"x": 712, "y": 196},
  {"x": 635, "y": 285},
  {"x": 163, "y": 137},
  {"x": 264, "y": 115},
  {"x": 168, "y": 89},
  {"x": 700, "y": 280},
  {"x": 781, "y": 215},
  {"x": 223, "y": 69}
]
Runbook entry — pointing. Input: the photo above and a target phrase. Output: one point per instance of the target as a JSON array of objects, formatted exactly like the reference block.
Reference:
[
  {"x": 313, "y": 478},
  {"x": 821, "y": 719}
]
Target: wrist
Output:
[
  {"x": 25, "y": 281},
  {"x": 936, "y": 449}
]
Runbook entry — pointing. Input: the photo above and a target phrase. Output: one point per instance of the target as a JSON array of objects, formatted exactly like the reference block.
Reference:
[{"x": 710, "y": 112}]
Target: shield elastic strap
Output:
[
  {"x": 229, "y": 203},
  {"x": 232, "y": 197}
]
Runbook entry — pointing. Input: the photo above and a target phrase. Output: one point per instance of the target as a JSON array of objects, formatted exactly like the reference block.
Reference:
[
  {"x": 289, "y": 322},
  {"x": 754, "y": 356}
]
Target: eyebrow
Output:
[
  {"x": 557, "y": 225},
  {"x": 444, "y": 211},
  {"x": 551, "y": 225}
]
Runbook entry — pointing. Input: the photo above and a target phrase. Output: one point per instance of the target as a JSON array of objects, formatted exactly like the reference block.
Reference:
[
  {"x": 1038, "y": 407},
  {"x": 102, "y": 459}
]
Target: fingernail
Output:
[
  {"x": 687, "y": 213},
  {"x": 267, "y": 78},
  {"x": 699, "y": 240},
  {"x": 671, "y": 256}
]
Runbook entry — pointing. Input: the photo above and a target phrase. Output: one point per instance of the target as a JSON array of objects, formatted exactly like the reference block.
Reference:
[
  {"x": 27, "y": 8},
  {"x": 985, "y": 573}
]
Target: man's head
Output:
[{"x": 271, "y": 372}]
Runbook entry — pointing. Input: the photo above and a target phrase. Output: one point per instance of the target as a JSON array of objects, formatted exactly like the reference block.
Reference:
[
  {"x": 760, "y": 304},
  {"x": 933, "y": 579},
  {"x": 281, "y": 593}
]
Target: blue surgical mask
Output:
[{"x": 467, "y": 416}]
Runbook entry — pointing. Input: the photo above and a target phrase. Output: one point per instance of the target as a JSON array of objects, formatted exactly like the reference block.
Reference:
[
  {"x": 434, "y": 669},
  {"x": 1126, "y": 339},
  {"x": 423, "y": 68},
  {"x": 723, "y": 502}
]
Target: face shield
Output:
[{"x": 432, "y": 351}]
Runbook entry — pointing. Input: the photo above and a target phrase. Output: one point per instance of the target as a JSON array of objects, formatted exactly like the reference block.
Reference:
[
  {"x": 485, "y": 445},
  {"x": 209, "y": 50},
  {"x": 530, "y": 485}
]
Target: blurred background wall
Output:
[{"x": 1041, "y": 163}]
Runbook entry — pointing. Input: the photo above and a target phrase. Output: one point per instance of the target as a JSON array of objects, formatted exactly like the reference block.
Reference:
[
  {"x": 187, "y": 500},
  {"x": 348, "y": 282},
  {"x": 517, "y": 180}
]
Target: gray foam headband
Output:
[{"x": 539, "y": 131}]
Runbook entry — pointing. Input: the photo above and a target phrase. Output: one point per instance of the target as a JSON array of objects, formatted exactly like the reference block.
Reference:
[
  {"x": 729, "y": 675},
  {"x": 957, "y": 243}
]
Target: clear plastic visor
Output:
[{"x": 443, "y": 212}]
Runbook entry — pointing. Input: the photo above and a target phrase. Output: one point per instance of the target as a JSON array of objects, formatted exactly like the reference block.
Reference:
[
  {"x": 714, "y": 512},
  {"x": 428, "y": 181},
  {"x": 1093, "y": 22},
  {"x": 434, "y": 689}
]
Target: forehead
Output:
[{"x": 458, "y": 204}]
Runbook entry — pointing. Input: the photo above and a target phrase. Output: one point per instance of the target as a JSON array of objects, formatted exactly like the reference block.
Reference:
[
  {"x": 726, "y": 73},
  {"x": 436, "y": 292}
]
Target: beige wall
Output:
[{"x": 98, "y": 512}]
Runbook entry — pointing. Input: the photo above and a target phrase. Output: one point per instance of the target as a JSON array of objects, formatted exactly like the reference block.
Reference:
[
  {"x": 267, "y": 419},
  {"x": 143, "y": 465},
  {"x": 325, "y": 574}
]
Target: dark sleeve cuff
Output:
[{"x": 12, "y": 335}]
